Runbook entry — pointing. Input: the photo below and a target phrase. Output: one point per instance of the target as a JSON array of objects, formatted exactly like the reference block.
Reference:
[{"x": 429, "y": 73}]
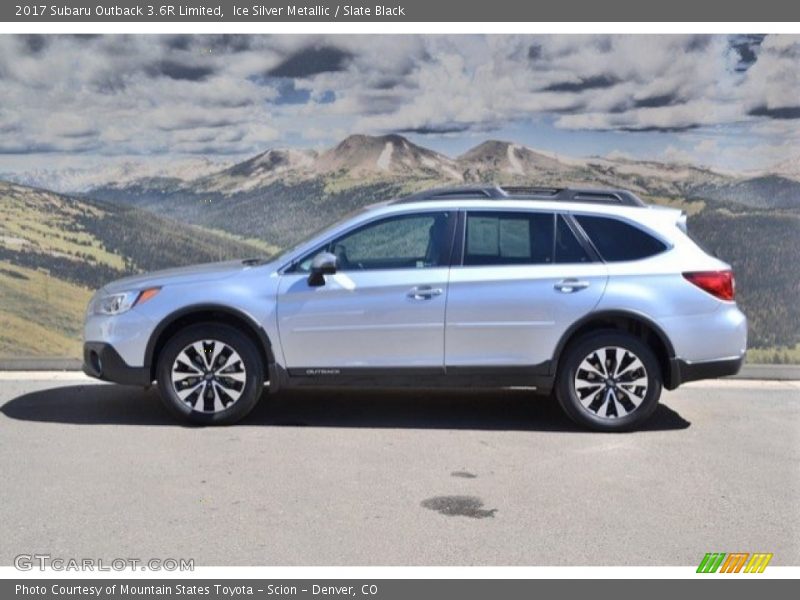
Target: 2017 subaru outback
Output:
[{"x": 590, "y": 293}]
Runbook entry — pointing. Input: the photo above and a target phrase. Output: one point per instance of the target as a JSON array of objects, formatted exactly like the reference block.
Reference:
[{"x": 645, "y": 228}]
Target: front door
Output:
[{"x": 385, "y": 305}]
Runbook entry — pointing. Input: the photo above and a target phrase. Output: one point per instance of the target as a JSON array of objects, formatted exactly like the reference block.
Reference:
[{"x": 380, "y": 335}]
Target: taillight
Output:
[{"x": 719, "y": 284}]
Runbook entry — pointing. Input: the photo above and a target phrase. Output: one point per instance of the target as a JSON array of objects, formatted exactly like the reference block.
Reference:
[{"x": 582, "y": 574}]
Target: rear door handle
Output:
[
  {"x": 571, "y": 285},
  {"x": 423, "y": 292}
]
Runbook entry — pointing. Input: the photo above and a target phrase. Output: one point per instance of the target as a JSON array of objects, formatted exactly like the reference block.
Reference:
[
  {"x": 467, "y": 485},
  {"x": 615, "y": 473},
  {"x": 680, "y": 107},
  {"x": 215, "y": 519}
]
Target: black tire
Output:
[
  {"x": 603, "y": 418},
  {"x": 235, "y": 409}
]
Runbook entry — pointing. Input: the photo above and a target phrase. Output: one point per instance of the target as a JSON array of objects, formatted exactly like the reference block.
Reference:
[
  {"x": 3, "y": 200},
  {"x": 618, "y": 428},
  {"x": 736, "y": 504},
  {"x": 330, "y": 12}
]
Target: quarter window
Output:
[
  {"x": 617, "y": 241},
  {"x": 567, "y": 247}
]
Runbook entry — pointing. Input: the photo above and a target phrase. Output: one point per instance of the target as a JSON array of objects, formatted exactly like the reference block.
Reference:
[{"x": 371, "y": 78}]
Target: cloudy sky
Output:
[{"x": 732, "y": 102}]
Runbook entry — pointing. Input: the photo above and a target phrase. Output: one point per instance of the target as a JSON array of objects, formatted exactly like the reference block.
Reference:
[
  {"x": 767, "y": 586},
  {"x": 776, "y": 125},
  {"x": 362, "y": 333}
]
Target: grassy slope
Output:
[
  {"x": 54, "y": 250},
  {"x": 112, "y": 239},
  {"x": 757, "y": 242},
  {"x": 40, "y": 315},
  {"x": 779, "y": 355},
  {"x": 762, "y": 246}
]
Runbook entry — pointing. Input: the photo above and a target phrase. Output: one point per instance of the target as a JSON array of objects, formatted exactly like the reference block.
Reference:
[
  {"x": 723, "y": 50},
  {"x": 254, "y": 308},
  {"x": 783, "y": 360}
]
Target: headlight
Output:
[{"x": 116, "y": 304}]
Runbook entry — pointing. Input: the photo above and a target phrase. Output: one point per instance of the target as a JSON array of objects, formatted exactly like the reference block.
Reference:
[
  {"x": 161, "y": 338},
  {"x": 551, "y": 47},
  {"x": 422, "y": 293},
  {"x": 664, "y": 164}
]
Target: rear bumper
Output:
[
  {"x": 102, "y": 361},
  {"x": 683, "y": 371}
]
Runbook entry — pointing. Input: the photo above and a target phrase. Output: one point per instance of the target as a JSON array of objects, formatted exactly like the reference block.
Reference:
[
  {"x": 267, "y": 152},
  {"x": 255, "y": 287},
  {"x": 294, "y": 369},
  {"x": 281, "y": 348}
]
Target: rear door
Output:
[{"x": 524, "y": 278}]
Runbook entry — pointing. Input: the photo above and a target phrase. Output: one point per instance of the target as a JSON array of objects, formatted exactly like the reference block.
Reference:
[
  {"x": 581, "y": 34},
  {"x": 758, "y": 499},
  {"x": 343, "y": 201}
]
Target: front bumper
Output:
[
  {"x": 683, "y": 371},
  {"x": 102, "y": 361}
]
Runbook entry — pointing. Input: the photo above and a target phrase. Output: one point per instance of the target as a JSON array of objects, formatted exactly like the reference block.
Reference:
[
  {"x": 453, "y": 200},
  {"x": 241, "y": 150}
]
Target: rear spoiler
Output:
[{"x": 680, "y": 216}]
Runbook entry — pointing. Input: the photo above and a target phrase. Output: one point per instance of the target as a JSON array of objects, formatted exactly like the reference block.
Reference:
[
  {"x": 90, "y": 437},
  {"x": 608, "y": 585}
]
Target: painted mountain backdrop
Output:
[{"x": 132, "y": 219}]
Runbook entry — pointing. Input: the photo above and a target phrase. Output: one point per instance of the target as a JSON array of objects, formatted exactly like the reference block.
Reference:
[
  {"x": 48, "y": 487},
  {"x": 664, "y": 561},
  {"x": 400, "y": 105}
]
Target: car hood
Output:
[{"x": 190, "y": 274}]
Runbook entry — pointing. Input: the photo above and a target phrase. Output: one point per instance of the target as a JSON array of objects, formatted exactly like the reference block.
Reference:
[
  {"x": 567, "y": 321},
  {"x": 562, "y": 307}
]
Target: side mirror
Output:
[{"x": 323, "y": 264}]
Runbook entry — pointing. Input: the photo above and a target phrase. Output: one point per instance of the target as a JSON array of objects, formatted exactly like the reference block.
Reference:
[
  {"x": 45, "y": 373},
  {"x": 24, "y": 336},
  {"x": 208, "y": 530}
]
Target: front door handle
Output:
[
  {"x": 571, "y": 285},
  {"x": 423, "y": 292}
]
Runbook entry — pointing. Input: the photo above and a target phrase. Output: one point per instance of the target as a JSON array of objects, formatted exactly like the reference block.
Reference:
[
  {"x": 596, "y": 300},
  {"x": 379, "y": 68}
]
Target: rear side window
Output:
[
  {"x": 617, "y": 241},
  {"x": 508, "y": 238}
]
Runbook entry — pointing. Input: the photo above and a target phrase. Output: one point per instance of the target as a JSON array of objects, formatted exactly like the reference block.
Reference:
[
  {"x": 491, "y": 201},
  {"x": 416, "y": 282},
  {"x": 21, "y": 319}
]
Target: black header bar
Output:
[{"x": 74, "y": 11}]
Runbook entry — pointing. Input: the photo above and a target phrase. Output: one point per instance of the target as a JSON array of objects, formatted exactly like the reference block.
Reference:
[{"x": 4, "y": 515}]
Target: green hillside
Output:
[
  {"x": 279, "y": 212},
  {"x": 55, "y": 250},
  {"x": 58, "y": 248},
  {"x": 761, "y": 243},
  {"x": 763, "y": 246},
  {"x": 40, "y": 315}
]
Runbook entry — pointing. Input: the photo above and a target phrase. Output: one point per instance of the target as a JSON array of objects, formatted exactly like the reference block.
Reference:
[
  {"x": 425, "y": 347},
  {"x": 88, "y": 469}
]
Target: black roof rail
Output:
[
  {"x": 530, "y": 190},
  {"x": 493, "y": 192},
  {"x": 476, "y": 192}
]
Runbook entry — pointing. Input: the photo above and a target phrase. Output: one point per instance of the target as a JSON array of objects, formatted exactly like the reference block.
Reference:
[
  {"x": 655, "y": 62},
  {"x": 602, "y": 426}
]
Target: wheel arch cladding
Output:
[
  {"x": 628, "y": 322},
  {"x": 207, "y": 313}
]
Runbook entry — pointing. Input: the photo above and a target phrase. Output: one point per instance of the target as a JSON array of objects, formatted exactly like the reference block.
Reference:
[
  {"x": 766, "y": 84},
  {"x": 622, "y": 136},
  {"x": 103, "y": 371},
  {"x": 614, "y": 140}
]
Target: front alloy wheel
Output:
[
  {"x": 210, "y": 374},
  {"x": 608, "y": 381}
]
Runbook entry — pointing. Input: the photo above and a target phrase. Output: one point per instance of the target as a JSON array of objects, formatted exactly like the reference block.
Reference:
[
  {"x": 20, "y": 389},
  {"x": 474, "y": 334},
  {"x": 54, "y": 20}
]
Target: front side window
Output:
[
  {"x": 616, "y": 240},
  {"x": 508, "y": 238},
  {"x": 402, "y": 242}
]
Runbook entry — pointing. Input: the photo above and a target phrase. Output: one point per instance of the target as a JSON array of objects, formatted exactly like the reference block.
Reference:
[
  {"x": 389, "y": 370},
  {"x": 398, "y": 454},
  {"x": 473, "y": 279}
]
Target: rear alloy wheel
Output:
[
  {"x": 609, "y": 381},
  {"x": 210, "y": 374}
]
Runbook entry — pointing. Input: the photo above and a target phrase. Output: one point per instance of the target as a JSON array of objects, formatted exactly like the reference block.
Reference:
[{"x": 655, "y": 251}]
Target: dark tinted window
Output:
[
  {"x": 568, "y": 248},
  {"x": 508, "y": 238},
  {"x": 405, "y": 242},
  {"x": 616, "y": 240}
]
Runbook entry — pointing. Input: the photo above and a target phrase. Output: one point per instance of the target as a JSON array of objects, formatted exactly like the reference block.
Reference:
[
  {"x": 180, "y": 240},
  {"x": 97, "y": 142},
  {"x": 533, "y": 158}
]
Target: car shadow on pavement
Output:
[{"x": 470, "y": 409}]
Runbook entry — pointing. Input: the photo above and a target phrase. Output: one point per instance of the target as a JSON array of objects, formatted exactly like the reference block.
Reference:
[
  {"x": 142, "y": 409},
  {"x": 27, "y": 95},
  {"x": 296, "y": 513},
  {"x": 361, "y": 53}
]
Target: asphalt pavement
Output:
[{"x": 336, "y": 478}]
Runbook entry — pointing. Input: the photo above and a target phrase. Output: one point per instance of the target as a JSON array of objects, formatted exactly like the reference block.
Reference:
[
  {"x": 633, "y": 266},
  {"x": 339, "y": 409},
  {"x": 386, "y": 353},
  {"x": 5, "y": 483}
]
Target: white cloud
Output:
[{"x": 214, "y": 94}]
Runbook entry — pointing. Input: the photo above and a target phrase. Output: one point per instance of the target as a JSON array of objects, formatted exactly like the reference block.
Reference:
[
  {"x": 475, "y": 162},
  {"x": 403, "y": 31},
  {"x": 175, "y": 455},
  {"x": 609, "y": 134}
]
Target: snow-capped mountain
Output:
[
  {"x": 359, "y": 161},
  {"x": 495, "y": 159},
  {"x": 789, "y": 168},
  {"x": 74, "y": 180},
  {"x": 384, "y": 157},
  {"x": 259, "y": 171}
]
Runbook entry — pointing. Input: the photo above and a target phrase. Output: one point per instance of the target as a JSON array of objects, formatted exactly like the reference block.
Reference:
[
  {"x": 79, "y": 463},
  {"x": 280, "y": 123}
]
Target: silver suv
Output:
[{"x": 591, "y": 294}]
